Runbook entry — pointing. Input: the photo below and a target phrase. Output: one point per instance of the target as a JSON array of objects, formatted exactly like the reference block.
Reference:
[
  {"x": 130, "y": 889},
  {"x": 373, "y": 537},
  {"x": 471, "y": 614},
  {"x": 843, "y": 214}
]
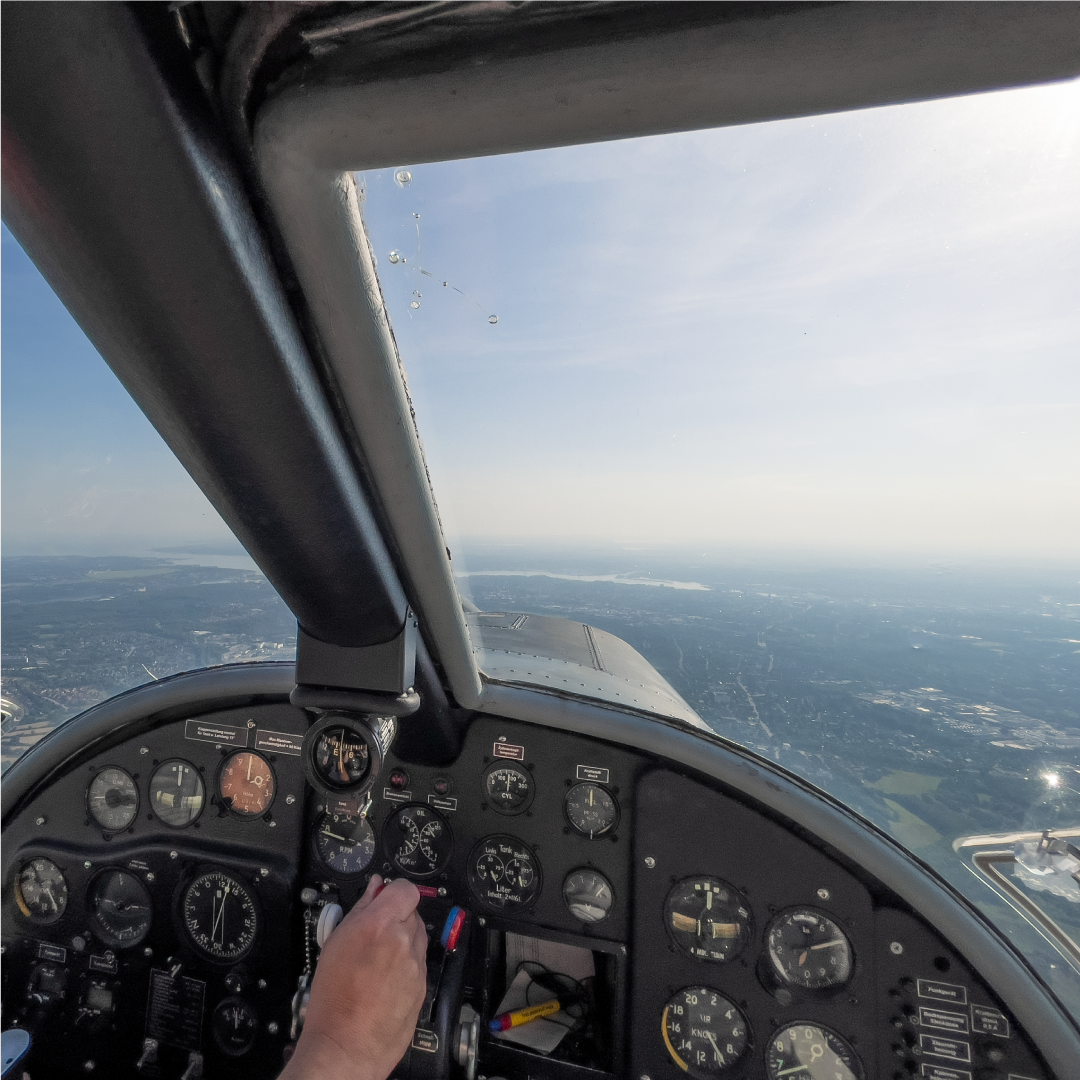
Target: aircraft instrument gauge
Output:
[
  {"x": 808, "y": 950},
  {"x": 591, "y": 810},
  {"x": 220, "y": 915},
  {"x": 234, "y": 1025},
  {"x": 120, "y": 909},
  {"x": 41, "y": 893},
  {"x": 704, "y": 1033},
  {"x": 508, "y": 788},
  {"x": 504, "y": 874},
  {"x": 112, "y": 799},
  {"x": 345, "y": 843},
  {"x": 708, "y": 919},
  {"x": 343, "y": 752},
  {"x": 810, "y": 1052},
  {"x": 418, "y": 840},
  {"x": 177, "y": 793},
  {"x": 246, "y": 784},
  {"x": 588, "y": 895}
]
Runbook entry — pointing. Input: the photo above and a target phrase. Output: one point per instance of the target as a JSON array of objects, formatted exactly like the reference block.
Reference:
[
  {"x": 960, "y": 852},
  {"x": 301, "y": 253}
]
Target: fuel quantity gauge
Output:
[{"x": 708, "y": 919}]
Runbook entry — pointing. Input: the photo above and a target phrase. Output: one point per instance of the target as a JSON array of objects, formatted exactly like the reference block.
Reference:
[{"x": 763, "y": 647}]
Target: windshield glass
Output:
[
  {"x": 793, "y": 408},
  {"x": 116, "y": 569}
]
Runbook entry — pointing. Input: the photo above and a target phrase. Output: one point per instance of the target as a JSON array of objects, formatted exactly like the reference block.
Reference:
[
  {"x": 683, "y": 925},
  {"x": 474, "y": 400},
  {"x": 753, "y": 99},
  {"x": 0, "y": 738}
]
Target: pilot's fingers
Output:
[
  {"x": 398, "y": 900},
  {"x": 373, "y": 889}
]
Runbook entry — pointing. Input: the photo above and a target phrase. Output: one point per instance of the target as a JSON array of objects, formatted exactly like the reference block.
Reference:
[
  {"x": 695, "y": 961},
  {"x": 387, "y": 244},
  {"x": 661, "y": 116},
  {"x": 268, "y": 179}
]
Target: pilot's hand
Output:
[{"x": 368, "y": 989}]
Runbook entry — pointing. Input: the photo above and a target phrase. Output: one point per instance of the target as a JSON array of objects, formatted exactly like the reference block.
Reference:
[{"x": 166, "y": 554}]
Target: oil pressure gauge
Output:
[{"x": 708, "y": 919}]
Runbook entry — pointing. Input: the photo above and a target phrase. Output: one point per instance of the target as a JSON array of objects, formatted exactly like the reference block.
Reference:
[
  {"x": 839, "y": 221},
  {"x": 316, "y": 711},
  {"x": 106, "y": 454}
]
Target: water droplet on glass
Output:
[
  {"x": 395, "y": 257},
  {"x": 415, "y": 304},
  {"x": 417, "y": 216},
  {"x": 402, "y": 177},
  {"x": 493, "y": 319}
]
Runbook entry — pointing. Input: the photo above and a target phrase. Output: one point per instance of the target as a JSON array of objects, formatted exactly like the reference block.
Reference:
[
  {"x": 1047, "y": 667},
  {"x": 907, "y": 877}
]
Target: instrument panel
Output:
[{"x": 164, "y": 907}]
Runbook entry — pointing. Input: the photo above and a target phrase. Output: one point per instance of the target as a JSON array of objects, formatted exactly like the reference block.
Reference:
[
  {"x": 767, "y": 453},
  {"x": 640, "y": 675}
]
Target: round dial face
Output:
[
  {"x": 41, "y": 893},
  {"x": 807, "y": 949},
  {"x": 418, "y": 839},
  {"x": 177, "y": 793},
  {"x": 112, "y": 799},
  {"x": 708, "y": 919},
  {"x": 703, "y": 1031},
  {"x": 346, "y": 844},
  {"x": 504, "y": 874},
  {"x": 508, "y": 788},
  {"x": 120, "y": 909},
  {"x": 246, "y": 783},
  {"x": 234, "y": 1025},
  {"x": 220, "y": 915},
  {"x": 588, "y": 895},
  {"x": 341, "y": 757},
  {"x": 810, "y": 1052},
  {"x": 592, "y": 810}
]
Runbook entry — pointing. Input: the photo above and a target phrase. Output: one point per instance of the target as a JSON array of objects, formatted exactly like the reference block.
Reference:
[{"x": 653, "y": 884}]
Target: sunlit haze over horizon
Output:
[{"x": 853, "y": 334}]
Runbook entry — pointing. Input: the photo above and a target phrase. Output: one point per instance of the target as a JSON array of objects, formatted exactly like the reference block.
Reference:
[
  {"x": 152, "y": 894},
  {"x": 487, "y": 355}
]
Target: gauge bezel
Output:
[
  {"x": 390, "y": 849},
  {"x": 788, "y": 1024},
  {"x": 610, "y": 830},
  {"x": 20, "y": 900},
  {"x": 751, "y": 925},
  {"x": 771, "y": 978},
  {"x": 737, "y": 1067},
  {"x": 472, "y": 877},
  {"x": 229, "y": 1051},
  {"x": 361, "y": 726},
  {"x": 504, "y": 763},
  {"x": 91, "y": 912},
  {"x": 150, "y": 787},
  {"x": 227, "y": 805},
  {"x": 185, "y": 935},
  {"x": 314, "y": 842},
  {"x": 138, "y": 800},
  {"x": 599, "y": 873}
]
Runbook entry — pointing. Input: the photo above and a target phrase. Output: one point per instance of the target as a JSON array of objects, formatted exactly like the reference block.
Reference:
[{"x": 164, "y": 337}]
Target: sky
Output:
[{"x": 855, "y": 333}]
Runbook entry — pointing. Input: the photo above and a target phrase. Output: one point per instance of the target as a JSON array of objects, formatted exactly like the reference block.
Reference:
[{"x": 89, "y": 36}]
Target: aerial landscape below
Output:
[{"x": 937, "y": 703}]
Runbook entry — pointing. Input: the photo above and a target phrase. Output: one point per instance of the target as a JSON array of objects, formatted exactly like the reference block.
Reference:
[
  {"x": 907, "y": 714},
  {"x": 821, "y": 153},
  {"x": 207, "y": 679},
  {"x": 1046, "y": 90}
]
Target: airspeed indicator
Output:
[{"x": 704, "y": 1033}]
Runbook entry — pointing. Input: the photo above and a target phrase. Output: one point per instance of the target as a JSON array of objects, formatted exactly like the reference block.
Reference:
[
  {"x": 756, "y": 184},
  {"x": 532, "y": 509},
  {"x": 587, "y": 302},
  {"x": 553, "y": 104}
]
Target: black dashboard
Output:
[{"x": 162, "y": 903}]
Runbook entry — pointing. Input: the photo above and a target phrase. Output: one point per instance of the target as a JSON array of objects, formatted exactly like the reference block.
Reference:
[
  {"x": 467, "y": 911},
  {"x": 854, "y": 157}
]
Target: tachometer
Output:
[
  {"x": 807, "y": 949},
  {"x": 246, "y": 783},
  {"x": 591, "y": 810},
  {"x": 704, "y": 1033},
  {"x": 504, "y": 874},
  {"x": 220, "y": 915},
  {"x": 112, "y": 799},
  {"x": 345, "y": 843},
  {"x": 177, "y": 793},
  {"x": 508, "y": 788},
  {"x": 708, "y": 919},
  {"x": 41, "y": 893},
  {"x": 120, "y": 909},
  {"x": 810, "y": 1052},
  {"x": 418, "y": 840}
]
